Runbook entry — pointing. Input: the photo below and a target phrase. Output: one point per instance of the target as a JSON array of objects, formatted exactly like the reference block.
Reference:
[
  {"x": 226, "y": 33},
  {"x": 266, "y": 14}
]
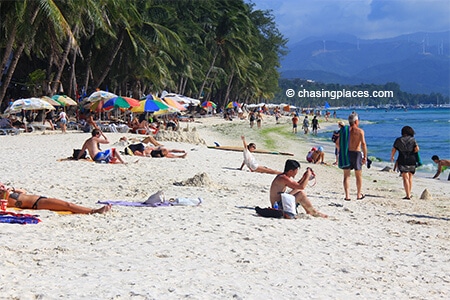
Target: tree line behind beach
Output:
[{"x": 215, "y": 50}]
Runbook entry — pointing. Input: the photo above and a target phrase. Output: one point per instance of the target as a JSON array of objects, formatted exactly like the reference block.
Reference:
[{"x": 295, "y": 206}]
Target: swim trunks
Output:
[
  {"x": 157, "y": 153},
  {"x": 355, "y": 158},
  {"x": 105, "y": 156}
]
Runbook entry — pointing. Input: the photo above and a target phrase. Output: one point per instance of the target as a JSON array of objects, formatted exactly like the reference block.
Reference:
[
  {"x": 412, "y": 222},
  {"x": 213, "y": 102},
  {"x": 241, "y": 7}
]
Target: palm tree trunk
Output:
[
  {"x": 15, "y": 60},
  {"x": 112, "y": 58},
  {"x": 227, "y": 95},
  {"x": 57, "y": 80},
  {"x": 209, "y": 72},
  {"x": 8, "y": 49},
  {"x": 11, "y": 70}
]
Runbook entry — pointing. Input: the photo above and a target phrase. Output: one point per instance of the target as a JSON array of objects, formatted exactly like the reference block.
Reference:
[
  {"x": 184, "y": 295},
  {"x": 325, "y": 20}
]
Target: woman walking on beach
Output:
[{"x": 407, "y": 149}]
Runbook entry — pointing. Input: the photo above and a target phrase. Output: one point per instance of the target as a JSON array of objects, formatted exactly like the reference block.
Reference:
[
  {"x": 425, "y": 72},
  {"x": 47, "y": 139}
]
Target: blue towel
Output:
[
  {"x": 344, "y": 135},
  {"x": 13, "y": 218}
]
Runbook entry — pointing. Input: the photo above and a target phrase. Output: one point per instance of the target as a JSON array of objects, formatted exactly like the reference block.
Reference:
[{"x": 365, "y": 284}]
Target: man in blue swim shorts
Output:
[{"x": 92, "y": 146}]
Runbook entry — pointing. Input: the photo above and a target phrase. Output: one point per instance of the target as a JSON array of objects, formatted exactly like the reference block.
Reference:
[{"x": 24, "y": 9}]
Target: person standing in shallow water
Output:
[{"x": 407, "y": 149}]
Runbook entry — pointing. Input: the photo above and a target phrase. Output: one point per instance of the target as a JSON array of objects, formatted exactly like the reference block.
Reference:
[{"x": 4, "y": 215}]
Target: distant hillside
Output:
[{"x": 419, "y": 62}]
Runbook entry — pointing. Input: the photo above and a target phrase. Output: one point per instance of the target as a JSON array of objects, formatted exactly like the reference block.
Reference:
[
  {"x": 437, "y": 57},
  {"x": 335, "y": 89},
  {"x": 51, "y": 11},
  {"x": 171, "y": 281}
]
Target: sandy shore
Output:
[{"x": 379, "y": 248}]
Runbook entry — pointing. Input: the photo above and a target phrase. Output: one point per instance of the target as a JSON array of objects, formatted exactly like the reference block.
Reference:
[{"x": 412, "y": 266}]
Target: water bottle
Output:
[{"x": 275, "y": 206}]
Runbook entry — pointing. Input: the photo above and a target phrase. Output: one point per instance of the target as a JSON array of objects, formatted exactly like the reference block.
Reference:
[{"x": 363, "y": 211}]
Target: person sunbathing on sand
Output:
[
  {"x": 250, "y": 160},
  {"x": 20, "y": 199},
  {"x": 285, "y": 180}
]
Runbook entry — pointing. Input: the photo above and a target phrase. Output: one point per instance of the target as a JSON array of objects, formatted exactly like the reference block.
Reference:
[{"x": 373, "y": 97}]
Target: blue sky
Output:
[{"x": 366, "y": 19}]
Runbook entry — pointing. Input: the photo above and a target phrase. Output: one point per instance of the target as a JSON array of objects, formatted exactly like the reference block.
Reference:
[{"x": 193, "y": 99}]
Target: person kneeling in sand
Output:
[
  {"x": 316, "y": 155},
  {"x": 250, "y": 160},
  {"x": 285, "y": 180},
  {"x": 92, "y": 146},
  {"x": 440, "y": 164},
  {"x": 20, "y": 199}
]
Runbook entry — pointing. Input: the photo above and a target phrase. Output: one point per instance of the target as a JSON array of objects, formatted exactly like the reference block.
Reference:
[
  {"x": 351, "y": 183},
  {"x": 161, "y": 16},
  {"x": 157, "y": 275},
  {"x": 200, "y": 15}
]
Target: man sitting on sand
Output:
[
  {"x": 20, "y": 199},
  {"x": 285, "y": 180},
  {"x": 250, "y": 160},
  {"x": 440, "y": 164},
  {"x": 92, "y": 146}
]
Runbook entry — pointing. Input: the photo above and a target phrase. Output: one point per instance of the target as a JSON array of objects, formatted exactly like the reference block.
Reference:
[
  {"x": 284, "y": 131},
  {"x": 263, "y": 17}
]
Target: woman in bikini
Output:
[{"x": 20, "y": 199}]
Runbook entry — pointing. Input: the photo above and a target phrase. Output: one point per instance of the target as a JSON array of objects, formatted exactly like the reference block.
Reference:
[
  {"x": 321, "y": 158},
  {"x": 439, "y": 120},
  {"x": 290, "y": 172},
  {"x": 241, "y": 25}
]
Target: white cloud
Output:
[{"x": 298, "y": 19}]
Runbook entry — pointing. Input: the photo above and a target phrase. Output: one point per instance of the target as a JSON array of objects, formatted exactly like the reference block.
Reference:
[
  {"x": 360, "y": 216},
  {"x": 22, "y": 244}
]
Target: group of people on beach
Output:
[{"x": 351, "y": 154}]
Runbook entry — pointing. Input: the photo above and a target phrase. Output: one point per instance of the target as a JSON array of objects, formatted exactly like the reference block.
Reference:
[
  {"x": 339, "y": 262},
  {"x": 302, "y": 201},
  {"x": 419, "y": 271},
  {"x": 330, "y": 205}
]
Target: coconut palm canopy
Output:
[{"x": 139, "y": 47}]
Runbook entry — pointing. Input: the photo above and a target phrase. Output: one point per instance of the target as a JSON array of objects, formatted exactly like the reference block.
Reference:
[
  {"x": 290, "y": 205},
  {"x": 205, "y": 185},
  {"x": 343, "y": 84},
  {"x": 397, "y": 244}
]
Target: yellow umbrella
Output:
[
  {"x": 64, "y": 100},
  {"x": 51, "y": 101}
]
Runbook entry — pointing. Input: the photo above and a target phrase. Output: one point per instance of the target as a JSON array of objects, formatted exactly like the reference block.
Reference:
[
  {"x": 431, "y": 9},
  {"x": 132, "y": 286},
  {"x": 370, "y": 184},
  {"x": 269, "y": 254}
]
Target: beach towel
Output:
[
  {"x": 344, "y": 135},
  {"x": 13, "y": 218},
  {"x": 132, "y": 203}
]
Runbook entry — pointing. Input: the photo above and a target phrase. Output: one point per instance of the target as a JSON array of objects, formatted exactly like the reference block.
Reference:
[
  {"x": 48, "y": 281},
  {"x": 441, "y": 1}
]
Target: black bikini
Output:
[{"x": 36, "y": 202}]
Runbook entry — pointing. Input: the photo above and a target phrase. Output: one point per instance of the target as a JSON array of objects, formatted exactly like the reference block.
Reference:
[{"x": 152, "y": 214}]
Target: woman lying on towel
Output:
[
  {"x": 20, "y": 199},
  {"x": 141, "y": 150}
]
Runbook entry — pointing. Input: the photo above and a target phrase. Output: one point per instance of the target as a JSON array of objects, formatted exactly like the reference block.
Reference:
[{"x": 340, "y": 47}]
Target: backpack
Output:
[
  {"x": 76, "y": 152},
  {"x": 335, "y": 136}
]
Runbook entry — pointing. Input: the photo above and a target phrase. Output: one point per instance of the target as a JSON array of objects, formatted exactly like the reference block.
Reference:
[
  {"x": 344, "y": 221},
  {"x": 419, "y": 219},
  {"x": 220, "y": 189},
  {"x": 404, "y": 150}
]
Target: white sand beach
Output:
[{"x": 379, "y": 248}]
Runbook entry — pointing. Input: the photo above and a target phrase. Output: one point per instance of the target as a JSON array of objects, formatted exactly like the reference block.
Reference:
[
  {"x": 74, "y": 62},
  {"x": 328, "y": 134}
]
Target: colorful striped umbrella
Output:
[
  {"x": 209, "y": 104},
  {"x": 120, "y": 102},
  {"x": 149, "y": 105}
]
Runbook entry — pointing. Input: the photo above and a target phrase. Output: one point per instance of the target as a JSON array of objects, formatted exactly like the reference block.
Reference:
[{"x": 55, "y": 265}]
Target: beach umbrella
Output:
[
  {"x": 174, "y": 104},
  {"x": 29, "y": 104},
  {"x": 101, "y": 96},
  {"x": 51, "y": 101},
  {"x": 149, "y": 105},
  {"x": 120, "y": 102},
  {"x": 64, "y": 100},
  {"x": 233, "y": 104},
  {"x": 209, "y": 104}
]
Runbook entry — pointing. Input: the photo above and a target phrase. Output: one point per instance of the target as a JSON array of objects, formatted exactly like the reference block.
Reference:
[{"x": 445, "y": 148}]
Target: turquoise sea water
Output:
[{"x": 382, "y": 127}]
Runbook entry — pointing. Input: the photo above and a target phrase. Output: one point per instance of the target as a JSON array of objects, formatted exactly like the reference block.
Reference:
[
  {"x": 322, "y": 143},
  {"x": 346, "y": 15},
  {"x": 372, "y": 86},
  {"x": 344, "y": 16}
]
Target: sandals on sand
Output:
[{"x": 362, "y": 197}]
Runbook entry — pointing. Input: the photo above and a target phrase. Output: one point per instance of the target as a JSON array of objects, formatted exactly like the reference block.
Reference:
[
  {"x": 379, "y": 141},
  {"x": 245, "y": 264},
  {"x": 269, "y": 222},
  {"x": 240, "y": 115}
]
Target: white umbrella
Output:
[
  {"x": 29, "y": 104},
  {"x": 101, "y": 95}
]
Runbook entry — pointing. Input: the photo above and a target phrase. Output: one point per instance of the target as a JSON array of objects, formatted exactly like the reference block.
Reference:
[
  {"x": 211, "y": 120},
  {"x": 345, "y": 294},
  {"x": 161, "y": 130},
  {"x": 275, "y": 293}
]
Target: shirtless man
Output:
[
  {"x": 92, "y": 146},
  {"x": 20, "y": 199},
  {"x": 285, "y": 180},
  {"x": 250, "y": 160},
  {"x": 356, "y": 144},
  {"x": 440, "y": 163}
]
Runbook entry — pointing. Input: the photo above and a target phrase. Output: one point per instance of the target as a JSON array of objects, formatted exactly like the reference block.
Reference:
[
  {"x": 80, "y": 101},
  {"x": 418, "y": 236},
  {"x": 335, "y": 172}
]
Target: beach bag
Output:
[
  {"x": 269, "y": 212},
  {"x": 289, "y": 206},
  {"x": 157, "y": 199},
  {"x": 76, "y": 152},
  {"x": 335, "y": 136}
]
